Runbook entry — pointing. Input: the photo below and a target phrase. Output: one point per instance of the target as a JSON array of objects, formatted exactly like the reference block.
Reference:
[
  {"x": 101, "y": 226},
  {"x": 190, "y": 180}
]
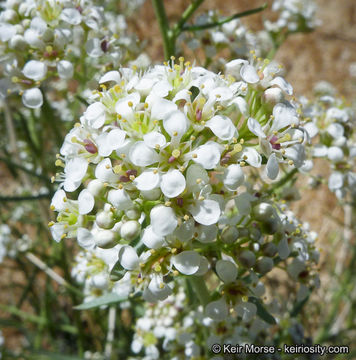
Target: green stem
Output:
[
  {"x": 26, "y": 197},
  {"x": 188, "y": 12},
  {"x": 168, "y": 44},
  {"x": 199, "y": 286},
  {"x": 224, "y": 21},
  {"x": 283, "y": 181}
]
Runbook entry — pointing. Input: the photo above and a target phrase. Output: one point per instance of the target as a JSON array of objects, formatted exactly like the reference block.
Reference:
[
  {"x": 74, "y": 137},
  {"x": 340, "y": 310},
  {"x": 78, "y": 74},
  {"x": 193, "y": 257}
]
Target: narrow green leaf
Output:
[
  {"x": 102, "y": 300},
  {"x": 298, "y": 307},
  {"x": 261, "y": 311},
  {"x": 195, "y": 92}
]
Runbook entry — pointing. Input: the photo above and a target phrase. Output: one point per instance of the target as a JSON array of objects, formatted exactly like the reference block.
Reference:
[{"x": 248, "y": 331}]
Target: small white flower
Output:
[
  {"x": 163, "y": 220},
  {"x": 35, "y": 70},
  {"x": 172, "y": 183},
  {"x": 187, "y": 262},
  {"x": 32, "y": 98},
  {"x": 226, "y": 270}
]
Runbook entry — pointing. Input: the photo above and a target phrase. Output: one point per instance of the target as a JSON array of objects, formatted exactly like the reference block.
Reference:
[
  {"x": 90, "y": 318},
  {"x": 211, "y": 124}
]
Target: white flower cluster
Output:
[
  {"x": 232, "y": 36},
  {"x": 294, "y": 16},
  {"x": 92, "y": 268},
  {"x": 5, "y": 238},
  {"x": 41, "y": 39},
  {"x": 331, "y": 124},
  {"x": 158, "y": 157}
]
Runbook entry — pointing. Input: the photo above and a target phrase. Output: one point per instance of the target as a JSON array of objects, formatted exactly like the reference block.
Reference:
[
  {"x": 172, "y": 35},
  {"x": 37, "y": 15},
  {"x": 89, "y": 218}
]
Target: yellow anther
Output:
[
  {"x": 102, "y": 86},
  {"x": 152, "y": 251},
  {"x": 244, "y": 298},
  {"x": 290, "y": 162},
  {"x": 242, "y": 164},
  {"x": 192, "y": 138},
  {"x": 123, "y": 155},
  {"x": 175, "y": 133},
  {"x": 130, "y": 103},
  {"x": 105, "y": 184},
  {"x": 155, "y": 171},
  {"x": 157, "y": 146},
  {"x": 107, "y": 166},
  {"x": 181, "y": 59},
  {"x": 145, "y": 105},
  {"x": 186, "y": 217},
  {"x": 194, "y": 156},
  {"x": 242, "y": 141},
  {"x": 117, "y": 88},
  {"x": 161, "y": 285},
  {"x": 53, "y": 179},
  {"x": 157, "y": 268},
  {"x": 283, "y": 151},
  {"x": 201, "y": 198},
  {"x": 174, "y": 250},
  {"x": 176, "y": 153},
  {"x": 121, "y": 186},
  {"x": 117, "y": 169},
  {"x": 198, "y": 181},
  {"x": 63, "y": 236},
  {"x": 59, "y": 163},
  {"x": 181, "y": 168},
  {"x": 132, "y": 177},
  {"x": 51, "y": 223},
  {"x": 167, "y": 203},
  {"x": 175, "y": 273},
  {"x": 77, "y": 125},
  {"x": 155, "y": 122},
  {"x": 173, "y": 58}
]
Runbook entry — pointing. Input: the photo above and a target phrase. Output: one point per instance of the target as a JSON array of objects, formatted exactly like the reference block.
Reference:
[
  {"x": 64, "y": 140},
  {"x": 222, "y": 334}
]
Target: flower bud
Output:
[
  {"x": 128, "y": 258},
  {"x": 273, "y": 95},
  {"x": 133, "y": 214},
  {"x": 269, "y": 249},
  {"x": 247, "y": 258},
  {"x": 130, "y": 230},
  {"x": 263, "y": 211},
  {"x": 226, "y": 270},
  {"x": 264, "y": 265},
  {"x": 270, "y": 226},
  {"x": 229, "y": 235},
  {"x": 105, "y": 239},
  {"x": 18, "y": 42},
  {"x": 96, "y": 187},
  {"x": 105, "y": 219}
]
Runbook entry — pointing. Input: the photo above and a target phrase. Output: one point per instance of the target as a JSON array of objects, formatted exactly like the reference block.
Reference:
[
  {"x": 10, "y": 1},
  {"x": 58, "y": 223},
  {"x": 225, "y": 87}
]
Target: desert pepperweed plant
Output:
[{"x": 167, "y": 224}]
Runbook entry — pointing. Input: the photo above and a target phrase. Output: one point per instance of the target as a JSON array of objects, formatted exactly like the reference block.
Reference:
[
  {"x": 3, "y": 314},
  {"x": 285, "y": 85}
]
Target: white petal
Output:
[
  {"x": 226, "y": 270},
  {"x": 128, "y": 258},
  {"x": 282, "y": 84},
  {"x": 104, "y": 172},
  {"x": 141, "y": 155},
  {"x": 207, "y": 234},
  {"x": 336, "y": 181},
  {"x": 151, "y": 239},
  {"x": 233, "y": 177},
  {"x": 203, "y": 266},
  {"x": 85, "y": 238},
  {"x": 195, "y": 172},
  {"x": 206, "y": 212},
  {"x": 249, "y": 74},
  {"x": 311, "y": 129},
  {"x": 95, "y": 115},
  {"x": 122, "y": 106},
  {"x": 93, "y": 48},
  {"x": 335, "y": 154},
  {"x": 283, "y": 249},
  {"x": 172, "y": 183},
  {"x": 246, "y": 310},
  {"x": 108, "y": 142},
  {"x": 110, "y": 76},
  {"x": 154, "y": 138},
  {"x": 76, "y": 168},
  {"x": 65, "y": 69},
  {"x": 57, "y": 230},
  {"x": 163, "y": 220},
  {"x": 119, "y": 199},
  {"x": 320, "y": 150},
  {"x": 284, "y": 115},
  {"x": 234, "y": 67},
  {"x": 272, "y": 167},
  {"x": 148, "y": 180},
  {"x": 161, "y": 88},
  {"x": 57, "y": 200},
  {"x": 187, "y": 262},
  {"x": 71, "y": 16},
  {"x": 217, "y": 310},
  {"x": 222, "y": 127},
  {"x": 208, "y": 155},
  {"x": 162, "y": 107},
  {"x": 252, "y": 157},
  {"x": 35, "y": 70},
  {"x": 176, "y": 124},
  {"x": 32, "y": 98},
  {"x": 256, "y": 128},
  {"x": 85, "y": 202}
]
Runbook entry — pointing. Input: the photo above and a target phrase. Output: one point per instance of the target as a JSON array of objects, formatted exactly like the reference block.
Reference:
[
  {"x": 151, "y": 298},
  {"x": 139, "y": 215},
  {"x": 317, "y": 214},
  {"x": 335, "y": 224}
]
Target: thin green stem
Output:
[
  {"x": 25, "y": 197},
  {"x": 224, "y": 21},
  {"x": 187, "y": 14},
  {"x": 199, "y": 286},
  {"x": 168, "y": 44}
]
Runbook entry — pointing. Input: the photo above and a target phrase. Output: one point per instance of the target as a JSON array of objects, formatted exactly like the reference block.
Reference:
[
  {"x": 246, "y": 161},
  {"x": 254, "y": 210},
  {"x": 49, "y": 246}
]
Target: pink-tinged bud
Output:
[
  {"x": 104, "y": 45},
  {"x": 171, "y": 159},
  {"x": 131, "y": 172},
  {"x": 79, "y": 8},
  {"x": 273, "y": 140},
  {"x": 26, "y": 82},
  {"x": 225, "y": 160},
  {"x": 124, "y": 178},
  {"x": 198, "y": 114},
  {"x": 180, "y": 202},
  {"x": 90, "y": 146}
]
